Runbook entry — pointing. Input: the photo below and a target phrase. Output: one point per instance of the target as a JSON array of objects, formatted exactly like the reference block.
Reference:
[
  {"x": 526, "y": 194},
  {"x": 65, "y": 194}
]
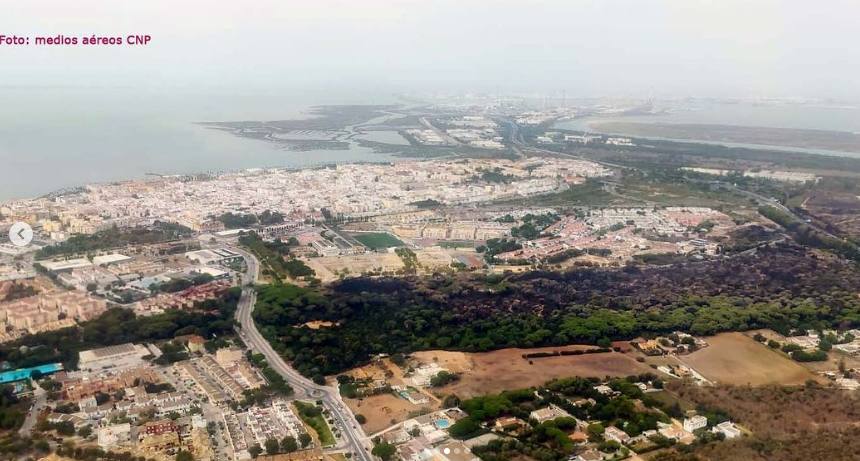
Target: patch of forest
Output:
[
  {"x": 117, "y": 326},
  {"x": 277, "y": 260},
  {"x": 115, "y": 238},
  {"x": 780, "y": 287},
  {"x": 809, "y": 235}
]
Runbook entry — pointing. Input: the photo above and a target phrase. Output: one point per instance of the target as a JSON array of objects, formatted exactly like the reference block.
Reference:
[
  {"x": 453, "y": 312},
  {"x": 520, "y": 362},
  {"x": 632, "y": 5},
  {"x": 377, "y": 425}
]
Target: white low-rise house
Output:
[
  {"x": 422, "y": 375},
  {"x": 549, "y": 413},
  {"x": 181, "y": 407},
  {"x": 675, "y": 431},
  {"x": 728, "y": 429},
  {"x": 603, "y": 389},
  {"x": 582, "y": 402},
  {"x": 613, "y": 433},
  {"x": 694, "y": 423}
]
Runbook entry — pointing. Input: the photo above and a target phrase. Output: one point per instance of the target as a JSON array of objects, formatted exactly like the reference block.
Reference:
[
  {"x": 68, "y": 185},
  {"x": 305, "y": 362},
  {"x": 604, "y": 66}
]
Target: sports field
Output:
[{"x": 377, "y": 240}]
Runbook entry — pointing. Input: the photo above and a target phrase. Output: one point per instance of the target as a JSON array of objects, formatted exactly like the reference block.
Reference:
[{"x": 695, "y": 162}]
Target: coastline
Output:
[{"x": 613, "y": 127}]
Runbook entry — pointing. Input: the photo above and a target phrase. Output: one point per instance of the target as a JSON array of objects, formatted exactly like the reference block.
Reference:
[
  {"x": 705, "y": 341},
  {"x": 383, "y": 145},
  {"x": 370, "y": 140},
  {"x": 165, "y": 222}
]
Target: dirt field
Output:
[
  {"x": 317, "y": 324},
  {"x": 381, "y": 411},
  {"x": 734, "y": 358},
  {"x": 328, "y": 267},
  {"x": 457, "y": 362},
  {"x": 505, "y": 369},
  {"x": 431, "y": 258},
  {"x": 833, "y": 357},
  {"x": 377, "y": 370}
]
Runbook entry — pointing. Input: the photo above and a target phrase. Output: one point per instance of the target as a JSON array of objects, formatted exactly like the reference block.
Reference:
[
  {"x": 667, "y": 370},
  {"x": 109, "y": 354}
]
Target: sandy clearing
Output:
[{"x": 734, "y": 358}]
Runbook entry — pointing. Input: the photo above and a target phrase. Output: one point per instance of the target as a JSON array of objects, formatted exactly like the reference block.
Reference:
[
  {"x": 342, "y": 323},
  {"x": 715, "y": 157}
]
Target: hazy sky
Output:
[{"x": 599, "y": 47}]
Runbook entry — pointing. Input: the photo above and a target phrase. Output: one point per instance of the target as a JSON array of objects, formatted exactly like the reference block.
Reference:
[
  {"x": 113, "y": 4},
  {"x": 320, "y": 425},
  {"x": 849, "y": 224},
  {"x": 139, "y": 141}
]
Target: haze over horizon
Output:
[{"x": 608, "y": 48}]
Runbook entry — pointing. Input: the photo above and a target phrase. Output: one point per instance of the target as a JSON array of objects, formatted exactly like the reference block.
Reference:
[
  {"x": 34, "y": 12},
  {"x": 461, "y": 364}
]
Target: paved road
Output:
[
  {"x": 515, "y": 138},
  {"x": 353, "y": 436},
  {"x": 762, "y": 200},
  {"x": 518, "y": 141},
  {"x": 40, "y": 401}
]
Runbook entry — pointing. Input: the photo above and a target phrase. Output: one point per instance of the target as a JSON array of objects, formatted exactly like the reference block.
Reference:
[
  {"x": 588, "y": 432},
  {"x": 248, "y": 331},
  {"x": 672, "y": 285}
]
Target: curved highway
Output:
[{"x": 353, "y": 436}]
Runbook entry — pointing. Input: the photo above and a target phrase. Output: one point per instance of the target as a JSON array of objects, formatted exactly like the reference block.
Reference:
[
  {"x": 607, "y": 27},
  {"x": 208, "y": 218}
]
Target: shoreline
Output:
[{"x": 639, "y": 129}]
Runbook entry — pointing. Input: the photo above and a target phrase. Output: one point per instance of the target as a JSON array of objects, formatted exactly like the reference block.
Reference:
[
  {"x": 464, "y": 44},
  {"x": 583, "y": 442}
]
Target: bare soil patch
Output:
[
  {"x": 382, "y": 411},
  {"x": 505, "y": 369},
  {"x": 734, "y": 358}
]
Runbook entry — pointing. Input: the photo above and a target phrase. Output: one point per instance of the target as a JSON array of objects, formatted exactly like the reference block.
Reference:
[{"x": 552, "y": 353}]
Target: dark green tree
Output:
[
  {"x": 272, "y": 446},
  {"x": 384, "y": 450},
  {"x": 289, "y": 444}
]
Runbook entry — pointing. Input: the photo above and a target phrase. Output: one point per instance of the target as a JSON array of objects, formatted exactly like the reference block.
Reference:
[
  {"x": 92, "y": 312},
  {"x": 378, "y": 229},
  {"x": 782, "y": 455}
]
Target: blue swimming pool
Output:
[
  {"x": 24, "y": 373},
  {"x": 442, "y": 423}
]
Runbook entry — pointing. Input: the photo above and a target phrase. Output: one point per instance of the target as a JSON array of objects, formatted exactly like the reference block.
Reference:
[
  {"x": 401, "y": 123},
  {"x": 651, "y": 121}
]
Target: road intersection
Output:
[{"x": 354, "y": 438}]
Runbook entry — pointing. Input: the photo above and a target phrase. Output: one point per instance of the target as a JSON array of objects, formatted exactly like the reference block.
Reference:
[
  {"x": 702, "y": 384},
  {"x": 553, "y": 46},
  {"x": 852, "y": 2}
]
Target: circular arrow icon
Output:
[{"x": 21, "y": 234}]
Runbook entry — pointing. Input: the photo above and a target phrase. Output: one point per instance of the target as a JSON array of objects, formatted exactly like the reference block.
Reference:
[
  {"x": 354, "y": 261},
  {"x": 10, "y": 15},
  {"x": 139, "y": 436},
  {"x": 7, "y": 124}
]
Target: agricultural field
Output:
[
  {"x": 431, "y": 258},
  {"x": 490, "y": 372},
  {"x": 377, "y": 240},
  {"x": 735, "y": 358}
]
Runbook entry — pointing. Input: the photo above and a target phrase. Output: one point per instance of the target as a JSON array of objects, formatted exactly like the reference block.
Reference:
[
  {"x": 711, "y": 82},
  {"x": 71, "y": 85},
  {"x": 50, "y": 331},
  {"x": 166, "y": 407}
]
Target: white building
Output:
[
  {"x": 119, "y": 356},
  {"x": 422, "y": 375},
  {"x": 604, "y": 389},
  {"x": 728, "y": 429},
  {"x": 113, "y": 258},
  {"x": 325, "y": 248},
  {"x": 213, "y": 256},
  {"x": 549, "y": 413},
  {"x": 695, "y": 422},
  {"x": 620, "y": 141},
  {"x": 613, "y": 433}
]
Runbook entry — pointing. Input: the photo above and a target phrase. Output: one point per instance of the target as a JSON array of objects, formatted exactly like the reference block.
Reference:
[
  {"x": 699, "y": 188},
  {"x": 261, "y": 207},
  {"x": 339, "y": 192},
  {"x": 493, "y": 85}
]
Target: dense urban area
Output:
[{"x": 506, "y": 289}]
